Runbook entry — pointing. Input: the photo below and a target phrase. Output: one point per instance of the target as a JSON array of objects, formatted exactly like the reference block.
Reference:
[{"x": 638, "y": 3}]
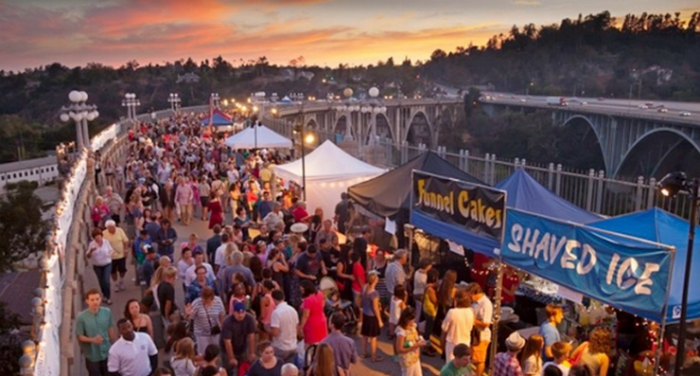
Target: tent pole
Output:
[
  {"x": 662, "y": 329},
  {"x": 496, "y": 313}
]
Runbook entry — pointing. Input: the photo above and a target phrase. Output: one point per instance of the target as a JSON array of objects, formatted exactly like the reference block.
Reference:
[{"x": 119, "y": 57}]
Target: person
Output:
[
  {"x": 213, "y": 243},
  {"x": 149, "y": 266},
  {"x": 210, "y": 365},
  {"x": 359, "y": 280},
  {"x": 140, "y": 243},
  {"x": 185, "y": 262},
  {"x": 290, "y": 369},
  {"x": 552, "y": 370},
  {"x": 460, "y": 365},
  {"x": 420, "y": 281},
  {"x": 165, "y": 295},
  {"x": 201, "y": 281},
  {"x": 396, "y": 306},
  {"x": 165, "y": 238},
  {"x": 184, "y": 197},
  {"x": 266, "y": 204},
  {"x": 531, "y": 357},
  {"x": 238, "y": 336},
  {"x": 408, "y": 343},
  {"x": 561, "y": 352},
  {"x": 326, "y": 232},
  {"x": 99, "y": 211},
  {"x": 183, "y": 360},
  {"x": 430, "y": 304},
  {"x": 309, "y": 266},
  {"x": 330, "y": 256},
  {"x": 176, "y": 333},
  {"x": 594, "y": 352},
  {"x": 191, "y": 271},
  {"x": 115, "y": 204},
  {"x": 395, "y": 274},
  {"x": 549, "y": 331},
  {"x": 483, "y": 311},
  {"x": 94, "y": 329},
  {"x": 120, "y": 243},
  {"x": 506, "y": 363},
  {"x": 360, "y": 244},
  {"x": 278, "y": 266},
  {"x": 511, "y": 281},
  {"x": 274, "y": 217},
  {"x": 445, "y": 298},
  {"x": 283, "y": 328},
  {"x": 313, "y": 319},
  {"x": 344, "y": 350},
  {"x": 580, "y": 370},
  {"x": 207, "y": 313},
  {"x": 236, "y": 267},
  {"x": 267, "y": 364},
  {"x": 217, "y": 211},
  {"x": 371, "y": 318},
  {"x": 100, "y": 255},
  {"x": 457, "y": 325},
  {"x": 134, "y": 354},
  {"x": 324, "y": 362},
  {"x": 141, "y": 321},
  {"x": 342, "y": 215},
  {"x": 267, "y": 305},
  {"x": 162, "y": 371}
]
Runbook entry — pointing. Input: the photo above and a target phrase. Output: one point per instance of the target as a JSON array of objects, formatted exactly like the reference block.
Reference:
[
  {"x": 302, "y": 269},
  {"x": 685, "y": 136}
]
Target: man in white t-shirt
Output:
[
  {"x": 483, "y": 310},
  {"x": 220, "y": 254},
  {"x": 283, "y": 328},
  {"x": 134, "y": 354}
]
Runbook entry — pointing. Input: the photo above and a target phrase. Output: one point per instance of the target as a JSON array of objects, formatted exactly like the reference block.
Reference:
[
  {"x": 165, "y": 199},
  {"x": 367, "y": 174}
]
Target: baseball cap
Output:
[
  {"x": 239, "y": 307},
  {"x": 148, "y": 249}
]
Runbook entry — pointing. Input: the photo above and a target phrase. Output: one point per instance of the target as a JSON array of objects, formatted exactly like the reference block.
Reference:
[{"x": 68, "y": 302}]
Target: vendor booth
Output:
[
  {"x": 388, "y": 196},
  {"x": 329, "y": 171},
  {"x": 582, "y": 263},
  {"x": 219, "y": 120},
  {"x": 258, "y": 137}
]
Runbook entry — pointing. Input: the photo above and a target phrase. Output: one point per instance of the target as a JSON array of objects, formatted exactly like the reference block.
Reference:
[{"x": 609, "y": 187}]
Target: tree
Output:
[{"x": 21, "y": 226}]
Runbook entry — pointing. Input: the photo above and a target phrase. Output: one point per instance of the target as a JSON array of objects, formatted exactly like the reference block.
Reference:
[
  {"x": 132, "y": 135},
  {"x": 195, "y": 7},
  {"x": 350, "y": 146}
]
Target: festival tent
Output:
[
  {"x": 219, "y": 118},
  {"x": 258, "y": 137},
  {"x": 525, "y": 193},
  {"x": 660, "y": 226},
  {"x": 329, "y": 171}
]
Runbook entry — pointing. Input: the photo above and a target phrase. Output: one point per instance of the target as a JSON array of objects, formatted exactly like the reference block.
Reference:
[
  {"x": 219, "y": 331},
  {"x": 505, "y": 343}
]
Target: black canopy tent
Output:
[{"x": 389, "y": 195}]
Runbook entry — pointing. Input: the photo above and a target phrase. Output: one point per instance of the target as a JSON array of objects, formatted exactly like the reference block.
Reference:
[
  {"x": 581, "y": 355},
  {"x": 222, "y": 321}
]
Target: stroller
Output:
[{"x": 334, "y": 305}]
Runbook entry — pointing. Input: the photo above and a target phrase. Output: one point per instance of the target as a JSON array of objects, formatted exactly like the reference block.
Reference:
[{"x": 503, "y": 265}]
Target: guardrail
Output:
[{"x": 59, "y": 297}]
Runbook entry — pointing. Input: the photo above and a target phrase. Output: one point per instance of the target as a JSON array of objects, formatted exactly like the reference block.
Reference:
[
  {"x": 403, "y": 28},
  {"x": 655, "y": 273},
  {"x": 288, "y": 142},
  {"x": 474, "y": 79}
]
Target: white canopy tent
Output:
[
  {"x": 258, "y": 137},
  {"x": 329, "y": 172}
]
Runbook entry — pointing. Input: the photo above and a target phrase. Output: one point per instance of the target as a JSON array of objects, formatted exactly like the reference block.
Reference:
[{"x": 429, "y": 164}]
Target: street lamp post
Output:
[
  {"x": 130, "y": 102},
  {"x": 669, "y": 186},
  {"x": 174, "y": 100},
  {"x": 302, "y": 127},
  {"x": 81, "y": 113},
  {"x": 374, "y": 108},
  {"x": 215, "y": 99}
]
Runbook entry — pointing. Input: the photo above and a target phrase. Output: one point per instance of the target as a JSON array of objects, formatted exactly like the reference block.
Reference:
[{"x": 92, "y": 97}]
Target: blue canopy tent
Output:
[
  {"x": 660, "y": 226},
  {"x": 218, "y": 119},
  {"x": 525, "y": 193}
]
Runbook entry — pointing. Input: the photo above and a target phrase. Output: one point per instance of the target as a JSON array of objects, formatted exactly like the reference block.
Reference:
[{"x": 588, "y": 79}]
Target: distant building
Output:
[{"x": 188, "y": 78}]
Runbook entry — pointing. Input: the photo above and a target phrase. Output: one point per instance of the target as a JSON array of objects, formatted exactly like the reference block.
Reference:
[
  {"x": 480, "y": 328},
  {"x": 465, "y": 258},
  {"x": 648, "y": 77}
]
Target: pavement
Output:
[{"x": 431, "y": 366}]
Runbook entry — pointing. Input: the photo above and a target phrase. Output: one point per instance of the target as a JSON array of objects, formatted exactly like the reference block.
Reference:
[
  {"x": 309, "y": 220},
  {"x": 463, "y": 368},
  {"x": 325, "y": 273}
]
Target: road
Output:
[{"x": 618, "y": 107}]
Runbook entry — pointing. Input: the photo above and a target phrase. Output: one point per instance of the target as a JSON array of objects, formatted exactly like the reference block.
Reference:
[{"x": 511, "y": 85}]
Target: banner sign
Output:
[
  {"x": 625, "y": 272},
  {"x": 477, "y": 209}
]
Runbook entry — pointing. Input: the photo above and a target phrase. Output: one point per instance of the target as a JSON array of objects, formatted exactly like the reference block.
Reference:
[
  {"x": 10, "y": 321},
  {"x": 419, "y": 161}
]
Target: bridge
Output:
[
  {"x": 636, "y": 137},
  {"x": 404, "y": 120}
]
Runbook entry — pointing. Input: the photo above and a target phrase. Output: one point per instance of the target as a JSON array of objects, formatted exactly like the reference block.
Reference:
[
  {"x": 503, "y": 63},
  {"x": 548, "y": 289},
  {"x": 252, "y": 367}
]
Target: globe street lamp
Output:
[
  {"x": 215, "y": 99},
  {"x": 373, "y": 107},
  {"x": 347, "y": 108},
  {"x": 130, "y": 102},
  {"x": 80, "y": 112},
  {"x": 669, "y": 186},
  {"x": 301, "y": 128},
  {"x": 174, "y": 100}
]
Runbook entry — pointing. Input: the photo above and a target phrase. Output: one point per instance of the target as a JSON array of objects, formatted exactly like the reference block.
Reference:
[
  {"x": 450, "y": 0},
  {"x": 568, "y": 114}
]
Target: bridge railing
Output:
[{"x": 590, "y": 190}]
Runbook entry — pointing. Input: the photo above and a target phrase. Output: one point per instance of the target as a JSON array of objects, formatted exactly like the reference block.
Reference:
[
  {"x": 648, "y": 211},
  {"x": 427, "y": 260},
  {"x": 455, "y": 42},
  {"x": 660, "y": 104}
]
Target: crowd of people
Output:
[{"x": 271, "y": 291}]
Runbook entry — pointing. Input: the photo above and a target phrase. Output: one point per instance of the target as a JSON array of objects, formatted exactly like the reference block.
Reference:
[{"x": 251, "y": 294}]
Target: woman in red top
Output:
[
  {"x": 216, "y": 210},
  {"x": 358, "y": 282},
  {"x": 313, "y": 320},
  {"x": 511, "y": 281}
]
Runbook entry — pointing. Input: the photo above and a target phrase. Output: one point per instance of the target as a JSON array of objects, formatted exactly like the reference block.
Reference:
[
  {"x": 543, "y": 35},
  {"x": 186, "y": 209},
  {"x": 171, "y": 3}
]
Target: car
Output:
[
  {"x": 643, "y": 107},
  {"x": 600, "y": 99},
  {"x": 662, "y": 110},
  {"x": 685, "y": 114},
  {"x": 584, "y": 103},
  {"x": 523, "y": 100}
]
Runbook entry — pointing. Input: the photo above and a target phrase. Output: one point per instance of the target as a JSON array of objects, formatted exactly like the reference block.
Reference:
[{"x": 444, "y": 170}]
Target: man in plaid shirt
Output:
[{"x": 506, "y": 363}]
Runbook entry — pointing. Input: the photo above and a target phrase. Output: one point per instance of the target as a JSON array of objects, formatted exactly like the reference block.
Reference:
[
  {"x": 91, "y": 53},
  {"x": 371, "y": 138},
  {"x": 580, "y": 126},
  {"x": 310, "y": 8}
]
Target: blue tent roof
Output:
[
  {"x": 525, "y": 193},
  {"x": 219, "y": 119},
  {"x": 662, "y": 227}
]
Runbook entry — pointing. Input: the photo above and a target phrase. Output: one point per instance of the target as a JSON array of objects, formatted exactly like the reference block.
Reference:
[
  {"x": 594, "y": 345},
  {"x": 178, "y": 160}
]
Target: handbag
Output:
[{"x": 214, "y": 329}]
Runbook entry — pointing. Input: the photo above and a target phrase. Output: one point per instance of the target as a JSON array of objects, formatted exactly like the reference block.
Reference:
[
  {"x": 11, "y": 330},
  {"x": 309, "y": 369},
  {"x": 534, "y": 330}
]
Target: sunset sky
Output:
[{"x": 325, "y": 32}]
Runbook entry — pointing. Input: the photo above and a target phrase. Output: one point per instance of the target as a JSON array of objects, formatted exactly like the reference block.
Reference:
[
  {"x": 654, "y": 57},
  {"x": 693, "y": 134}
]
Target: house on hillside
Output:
[{"x": 188, "y": 78}]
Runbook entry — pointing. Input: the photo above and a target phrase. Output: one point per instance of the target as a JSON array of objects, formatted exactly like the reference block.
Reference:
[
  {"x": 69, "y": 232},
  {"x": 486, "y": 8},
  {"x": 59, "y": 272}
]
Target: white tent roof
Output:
[
  {"x": 265, "y": 138},
  {"x": 327, "y": 163}
]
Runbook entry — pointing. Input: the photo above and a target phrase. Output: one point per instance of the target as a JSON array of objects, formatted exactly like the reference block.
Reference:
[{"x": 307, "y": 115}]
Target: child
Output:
[
  {"x": 408, "y": 344},
  {"x": 183, "y": 361},
  {"x": 238, "y": 296},
  {"x": 398, "y": 303}
]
